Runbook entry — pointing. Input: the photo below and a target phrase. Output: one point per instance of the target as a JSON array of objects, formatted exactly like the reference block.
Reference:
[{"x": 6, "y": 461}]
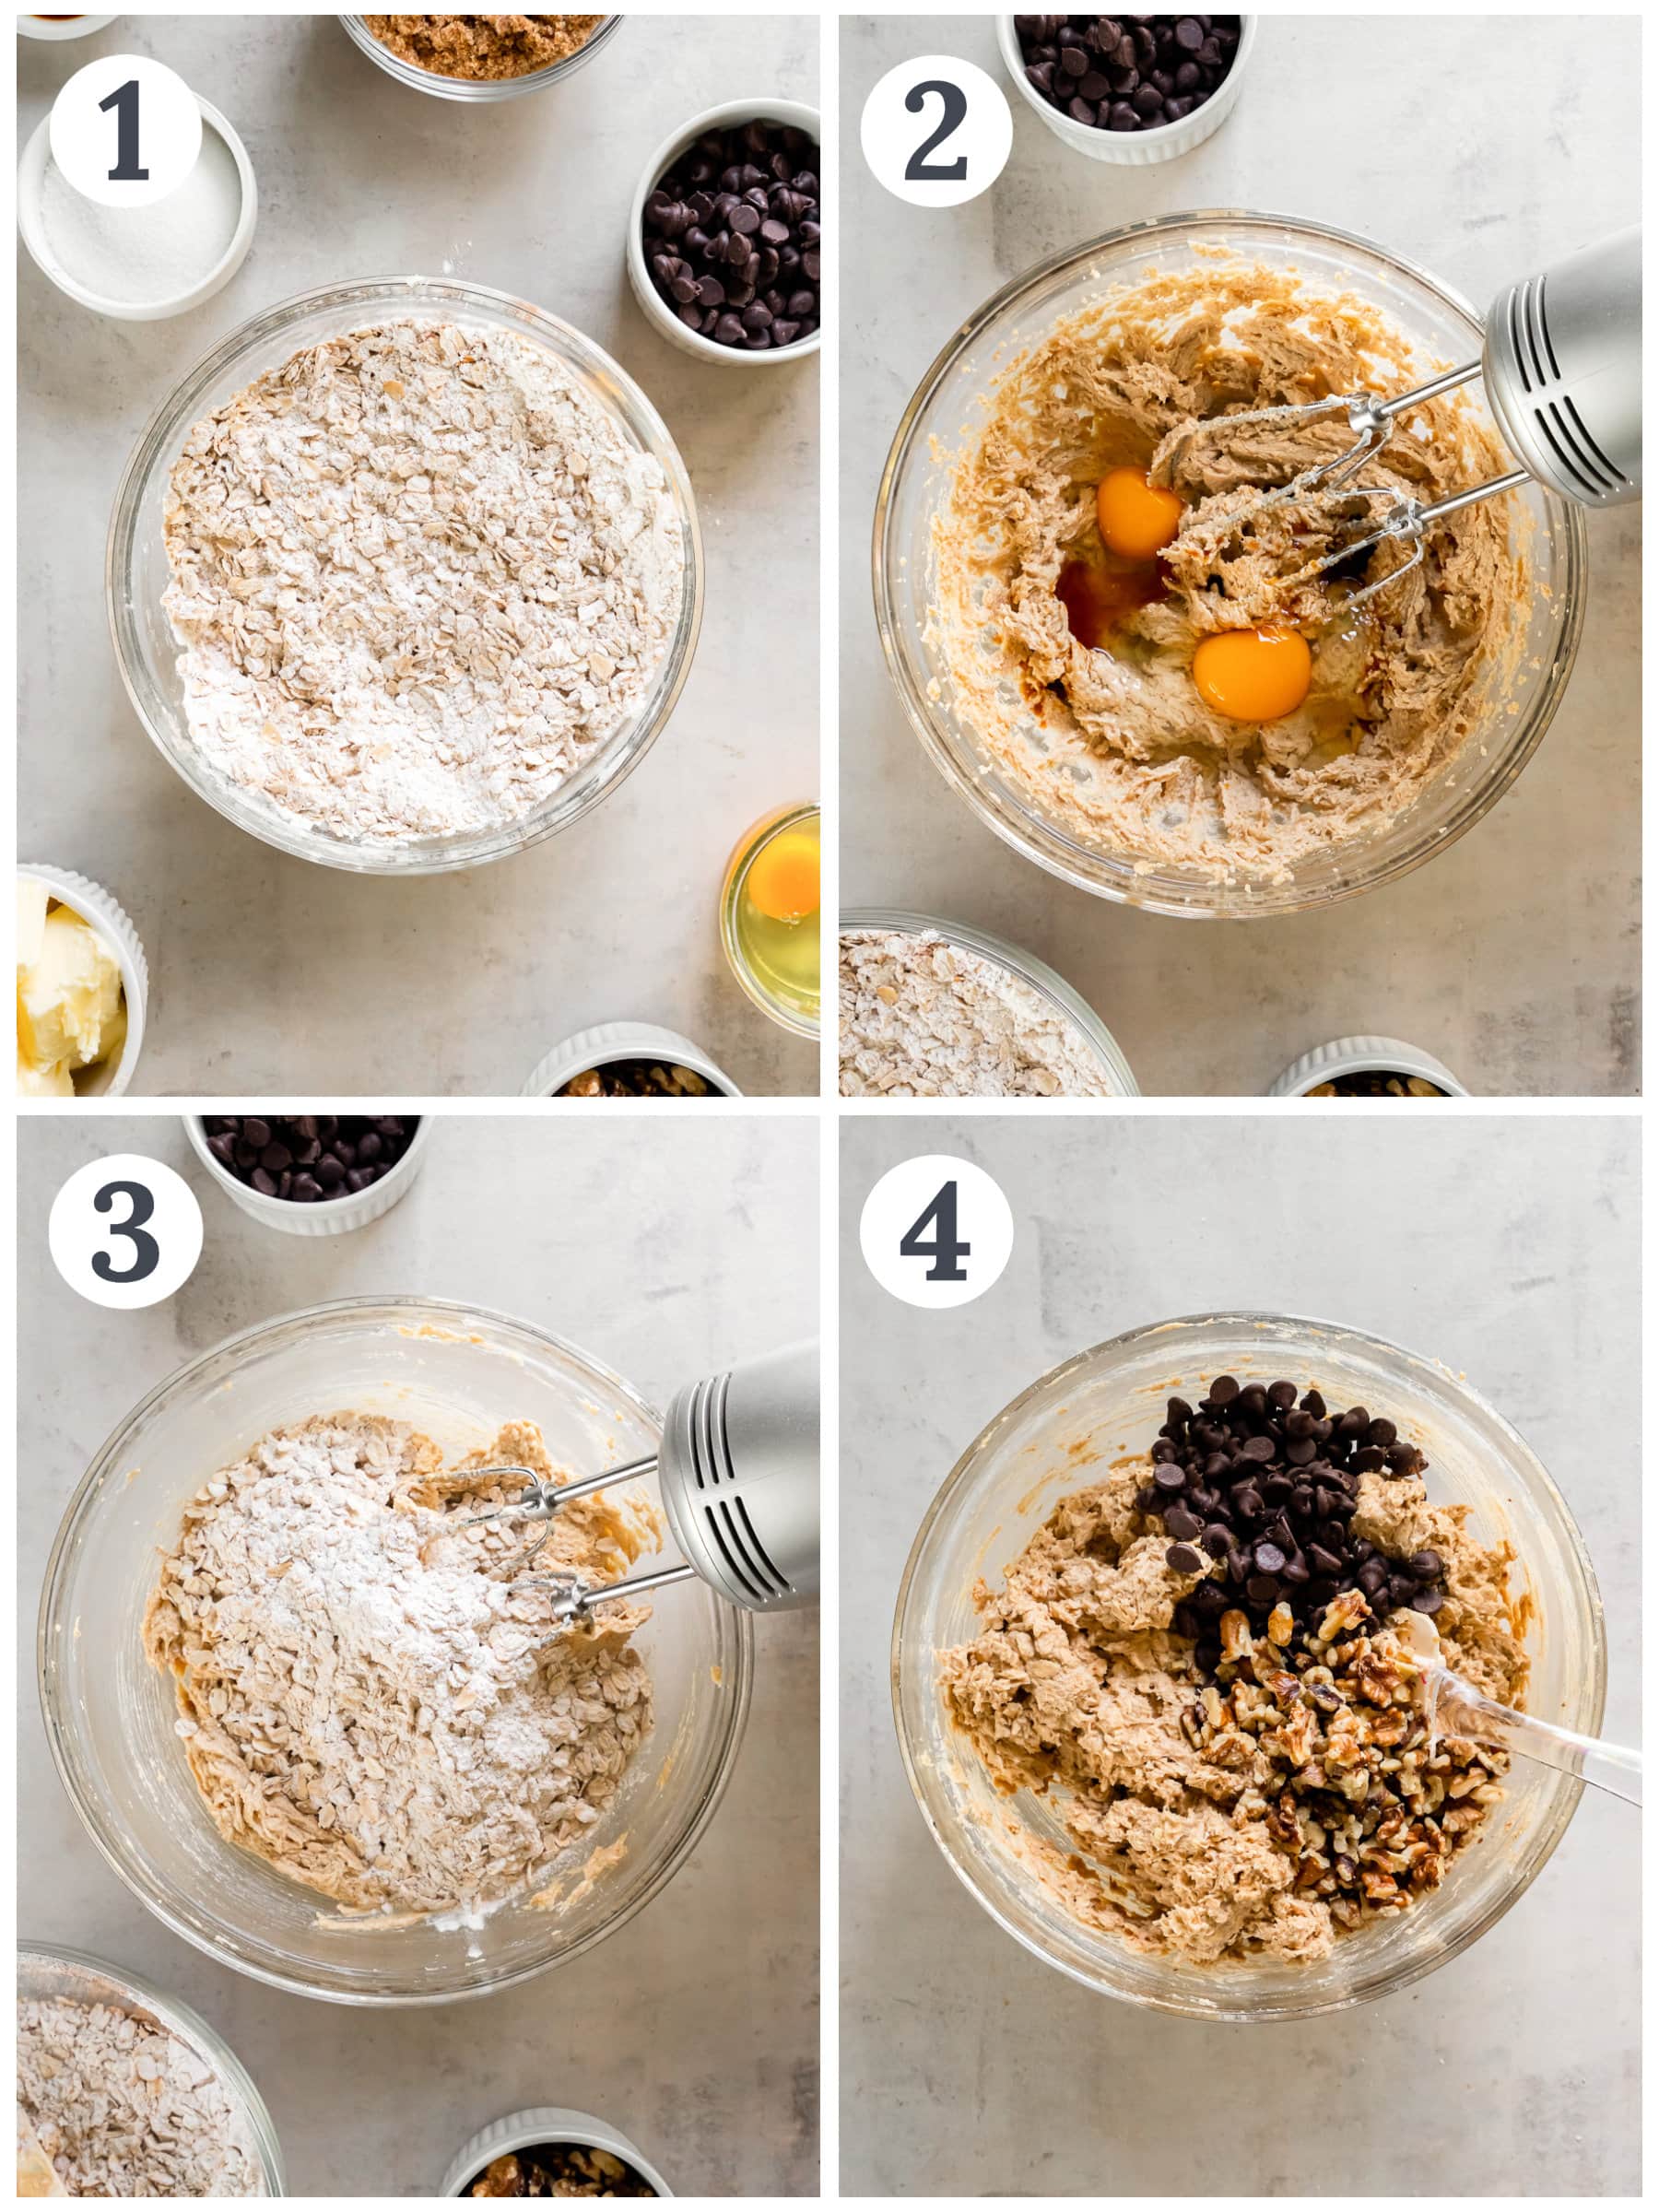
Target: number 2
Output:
[
  {"x": 947, "y": 1250},
  {"x": 919, "y": 170},
  {"x": 147, "y": 1252},
  {"x": 125, "y": 100}
]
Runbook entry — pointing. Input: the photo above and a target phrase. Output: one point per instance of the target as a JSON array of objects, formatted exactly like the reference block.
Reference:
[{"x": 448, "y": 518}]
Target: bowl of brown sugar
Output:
[{"x": 479, "y": 57}]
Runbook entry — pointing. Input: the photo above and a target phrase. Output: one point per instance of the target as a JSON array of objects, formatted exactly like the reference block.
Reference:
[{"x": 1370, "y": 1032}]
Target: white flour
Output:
[
  {"x": 123, "y": 2108},
  {"x": 421, "y": 576},
  {"x": 923, "y": 1018},
  {"x": 362, "y": 1702}
]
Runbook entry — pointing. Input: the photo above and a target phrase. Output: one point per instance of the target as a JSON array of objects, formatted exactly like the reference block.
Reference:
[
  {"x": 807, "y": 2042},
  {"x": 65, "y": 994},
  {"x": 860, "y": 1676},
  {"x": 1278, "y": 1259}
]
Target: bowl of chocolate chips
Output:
[
  {"x": 725, "y": 240},
  {"x": 310, "y": 1175},
  {"x": 1128, "y": 88}
]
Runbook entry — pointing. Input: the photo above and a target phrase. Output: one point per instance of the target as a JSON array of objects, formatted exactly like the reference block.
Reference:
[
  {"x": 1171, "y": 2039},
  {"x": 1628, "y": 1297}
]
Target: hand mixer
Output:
[
  {"x": 737, "y": 1471},
  {"x": 1562, "y": 369}
]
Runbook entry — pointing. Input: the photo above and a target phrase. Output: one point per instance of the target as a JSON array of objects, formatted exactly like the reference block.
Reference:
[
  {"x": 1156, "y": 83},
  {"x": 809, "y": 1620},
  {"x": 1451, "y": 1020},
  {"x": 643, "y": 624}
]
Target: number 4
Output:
[{"x": 947, "y": 1249}]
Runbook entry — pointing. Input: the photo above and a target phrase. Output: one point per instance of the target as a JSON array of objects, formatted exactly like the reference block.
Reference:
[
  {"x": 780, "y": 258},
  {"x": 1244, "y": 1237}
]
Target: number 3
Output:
[
  {"x": 919, "y": 170},
  {"x": 147, "y": 1252}
]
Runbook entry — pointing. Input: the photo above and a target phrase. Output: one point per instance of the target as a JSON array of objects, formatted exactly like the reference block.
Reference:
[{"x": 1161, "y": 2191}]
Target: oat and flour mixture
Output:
[
  {"x": 922, "y": 1018},
  {"x": 363, "y": 1700},
  {"x": 1113, "y": 740},
  {"x": 121, "y": 2107},
  {"x": 419, "y": 576}
]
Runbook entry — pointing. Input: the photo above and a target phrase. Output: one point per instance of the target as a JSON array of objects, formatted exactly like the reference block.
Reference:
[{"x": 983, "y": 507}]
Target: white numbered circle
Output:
[
  {"x": 125, "y": 1230},
  {"x": 937, "y": 1230},
  {"x": 937, "y": 131},
  {"x": 125, "y": 131}
]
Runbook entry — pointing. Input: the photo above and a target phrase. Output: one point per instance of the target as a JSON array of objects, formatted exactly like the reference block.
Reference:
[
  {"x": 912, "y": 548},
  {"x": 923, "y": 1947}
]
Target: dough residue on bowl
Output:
[
  {"x": 370, "y": 1698},
  {"x": 1112, "y": 742},
  {"x": 420, "y": 577}
]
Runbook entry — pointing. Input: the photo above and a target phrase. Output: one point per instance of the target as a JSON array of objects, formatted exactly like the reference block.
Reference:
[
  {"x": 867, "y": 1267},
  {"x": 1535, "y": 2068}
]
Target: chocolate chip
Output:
[
  {"x": 1185, "y": 1527},
  {"x": 1110, "y": 74},
  {"x": 710, "y": 253},
  {"x": 282, "y": 1156},
  {"x": 1184, "y": 1559}
]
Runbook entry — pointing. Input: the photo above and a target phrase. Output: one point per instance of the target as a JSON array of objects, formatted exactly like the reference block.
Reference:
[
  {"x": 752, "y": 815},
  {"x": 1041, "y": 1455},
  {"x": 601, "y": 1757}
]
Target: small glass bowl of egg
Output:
[{"x": 770, "y": 917}]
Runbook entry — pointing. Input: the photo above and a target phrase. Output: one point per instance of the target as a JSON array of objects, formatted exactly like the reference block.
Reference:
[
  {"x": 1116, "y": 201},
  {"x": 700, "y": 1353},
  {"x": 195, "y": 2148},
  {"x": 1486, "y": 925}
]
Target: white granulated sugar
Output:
[
  {"x": 123, "y": 2108},
  {"x": 421, "y": 576},
  {"x": 924, "y": 1019},
  {"x": 364, "y": 1701}
]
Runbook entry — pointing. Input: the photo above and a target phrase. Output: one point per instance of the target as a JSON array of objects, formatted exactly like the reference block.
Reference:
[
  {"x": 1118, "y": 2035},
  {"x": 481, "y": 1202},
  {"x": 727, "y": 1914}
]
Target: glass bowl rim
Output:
[
  {"x": 102, "y": 1469},
  {"x": 1057, "y": 1377},
  {"x": 179, "y": 408},
  {"x": 1021, "y": 828}
]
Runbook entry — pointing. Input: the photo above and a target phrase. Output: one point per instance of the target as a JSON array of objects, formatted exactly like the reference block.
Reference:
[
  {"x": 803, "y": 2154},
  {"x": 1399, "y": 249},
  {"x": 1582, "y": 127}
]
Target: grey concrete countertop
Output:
[
  {"x": 1489, "y": 148},
  {"x": 694, "y": 2029},
  {"x": 968, "y": 2066},
  {"x": 270, "y": 974}
]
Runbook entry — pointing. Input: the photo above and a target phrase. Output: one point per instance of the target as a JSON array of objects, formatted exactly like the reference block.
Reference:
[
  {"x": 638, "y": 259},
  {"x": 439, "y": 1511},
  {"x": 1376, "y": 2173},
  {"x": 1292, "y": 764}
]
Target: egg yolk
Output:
[
  {"x": 1253, "y": 675},
  {"x": 1137, "y": 519},
  {"x": 782, "y": 879}
]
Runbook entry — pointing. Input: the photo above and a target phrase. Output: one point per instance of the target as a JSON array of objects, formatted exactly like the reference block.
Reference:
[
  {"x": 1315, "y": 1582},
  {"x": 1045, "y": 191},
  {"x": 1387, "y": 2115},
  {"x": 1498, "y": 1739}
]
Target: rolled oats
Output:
[
  {"x": 122, "y": 2107},
  {"x": 366, "y": 1701},
  {"x": 924, "y": 1019},
  {"x": 419, "y": 576}
]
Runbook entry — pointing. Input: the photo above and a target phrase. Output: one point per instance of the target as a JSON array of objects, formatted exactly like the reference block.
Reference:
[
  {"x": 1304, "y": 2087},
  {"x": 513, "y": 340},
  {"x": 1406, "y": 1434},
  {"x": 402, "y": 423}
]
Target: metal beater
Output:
[
  {"x": 737, "y": 1472},
  {"x": 1562, "y": 369}
]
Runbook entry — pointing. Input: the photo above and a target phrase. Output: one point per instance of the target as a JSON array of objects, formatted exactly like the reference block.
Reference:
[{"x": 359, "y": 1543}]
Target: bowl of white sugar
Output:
[{"x": 139, "y": 264}]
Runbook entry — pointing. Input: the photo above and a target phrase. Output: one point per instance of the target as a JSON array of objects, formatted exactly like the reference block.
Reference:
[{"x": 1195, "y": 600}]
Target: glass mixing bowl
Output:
[
  {"x": 135, "y": 569},
  {"x": 1512, "y": 714},
  {"x": 457, "y": 1372},
  {"x": 1066, "y": 1004},
  {"x": 44, "y": 1971},
  {"x": 476, "y": 89},
  {"x": 1108, "y": 1402}
]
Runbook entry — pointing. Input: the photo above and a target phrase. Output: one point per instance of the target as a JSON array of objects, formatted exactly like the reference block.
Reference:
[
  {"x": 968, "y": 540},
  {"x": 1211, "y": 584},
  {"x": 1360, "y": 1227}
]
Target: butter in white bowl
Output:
[{"x": 71, "y": 1004}]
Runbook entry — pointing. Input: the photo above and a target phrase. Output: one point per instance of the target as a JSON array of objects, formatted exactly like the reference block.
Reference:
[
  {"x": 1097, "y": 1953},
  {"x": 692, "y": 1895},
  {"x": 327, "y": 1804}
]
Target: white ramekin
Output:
[
  {"x": 655, "y": 308},
  {"x": 329, "y": 1217},
  {"x": 31, "y": 174},
  {"x": 1131, "y": 150},
  {"x": 613, "y": 1040},
  {"x": 94, "y": 904},
  {"x": 547, "y": 2124},
  {"x": 1362, "y": 1055},
  {"x": 72, "y": 27}
]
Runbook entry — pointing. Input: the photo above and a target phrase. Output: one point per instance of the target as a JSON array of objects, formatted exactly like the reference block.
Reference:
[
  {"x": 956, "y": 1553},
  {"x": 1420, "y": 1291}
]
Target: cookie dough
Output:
[
  {"x": 371, "y": 1697},
  {"x": 1076, "y": 1689},
  {"x": 1113, "y": 741}
]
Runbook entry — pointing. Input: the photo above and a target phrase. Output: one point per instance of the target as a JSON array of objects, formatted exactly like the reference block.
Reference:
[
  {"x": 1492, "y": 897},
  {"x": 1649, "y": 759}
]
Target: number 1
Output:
[{"x": 125, "y": 100}]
